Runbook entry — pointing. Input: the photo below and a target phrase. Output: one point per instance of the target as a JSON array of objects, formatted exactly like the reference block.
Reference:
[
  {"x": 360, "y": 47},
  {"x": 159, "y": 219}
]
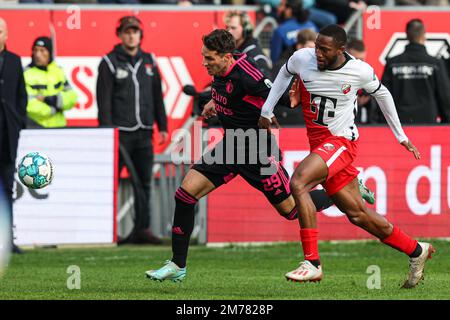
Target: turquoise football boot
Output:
[
  {"x": 170, "y": 271},
  {"x": 366, "y": 193}
]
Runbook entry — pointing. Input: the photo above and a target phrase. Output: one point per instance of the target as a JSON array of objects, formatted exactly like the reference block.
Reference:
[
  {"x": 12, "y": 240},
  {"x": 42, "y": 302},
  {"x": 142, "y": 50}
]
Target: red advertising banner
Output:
[
  {"x": 82, "y": 37},
  {"x": 384, "y": 33},
  {"x": 413, "y": 194}
]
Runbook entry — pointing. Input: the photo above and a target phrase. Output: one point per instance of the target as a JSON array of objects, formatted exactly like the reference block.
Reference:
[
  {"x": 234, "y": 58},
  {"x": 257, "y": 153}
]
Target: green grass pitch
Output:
[{"x": 232, "y": 272}]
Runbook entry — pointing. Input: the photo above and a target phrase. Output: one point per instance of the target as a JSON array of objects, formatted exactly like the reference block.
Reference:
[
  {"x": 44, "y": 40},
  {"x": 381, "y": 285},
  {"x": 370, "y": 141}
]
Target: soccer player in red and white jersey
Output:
[{"x": 328, "y": 80}]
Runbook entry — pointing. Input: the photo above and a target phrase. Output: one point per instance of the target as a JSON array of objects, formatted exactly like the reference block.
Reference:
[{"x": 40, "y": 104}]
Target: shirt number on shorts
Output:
[{"x": 271, "y": 183}]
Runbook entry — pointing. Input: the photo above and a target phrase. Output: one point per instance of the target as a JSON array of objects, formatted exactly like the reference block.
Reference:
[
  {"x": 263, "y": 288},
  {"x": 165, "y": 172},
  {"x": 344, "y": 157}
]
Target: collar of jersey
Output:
[{"x": 241, "y": 57}]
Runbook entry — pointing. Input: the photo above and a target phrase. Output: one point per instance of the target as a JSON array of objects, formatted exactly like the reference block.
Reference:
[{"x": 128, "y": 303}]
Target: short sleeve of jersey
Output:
[{"x": 369, "y": 80}]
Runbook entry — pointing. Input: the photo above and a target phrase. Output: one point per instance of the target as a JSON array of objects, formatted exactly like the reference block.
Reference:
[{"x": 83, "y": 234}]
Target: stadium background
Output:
[{"x": 415, "y": 195}]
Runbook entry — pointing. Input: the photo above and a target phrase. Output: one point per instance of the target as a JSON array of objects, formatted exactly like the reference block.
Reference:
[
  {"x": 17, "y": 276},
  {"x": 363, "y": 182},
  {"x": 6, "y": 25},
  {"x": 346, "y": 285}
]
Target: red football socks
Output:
[
  {"x": 309, "y": 238},
  {"x": 400, "y": 241}
]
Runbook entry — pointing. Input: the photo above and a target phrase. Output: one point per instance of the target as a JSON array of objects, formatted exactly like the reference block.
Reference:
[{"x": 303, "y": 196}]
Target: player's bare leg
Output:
[
  {"x": 311, "y": 171},
  {"x": 349, "y": 202},
  {"x": 288, "y": 209},
  {"x": 197, "y": 184},
  {"x": 194, "y": 186}
]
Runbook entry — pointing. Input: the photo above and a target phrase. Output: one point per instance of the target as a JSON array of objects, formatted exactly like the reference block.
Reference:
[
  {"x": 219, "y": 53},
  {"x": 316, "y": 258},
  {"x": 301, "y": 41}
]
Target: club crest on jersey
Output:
[
  {"x": 148, "y": 69},
  {"x": 328, "y": 146},
  {"x": 346, "y": 88},
  {"x": 229, "y": 86}
]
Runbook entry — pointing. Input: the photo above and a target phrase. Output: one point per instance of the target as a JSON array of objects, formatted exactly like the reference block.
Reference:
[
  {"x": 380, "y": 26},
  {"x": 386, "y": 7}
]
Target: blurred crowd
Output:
[{"x": 340, "y": 8}]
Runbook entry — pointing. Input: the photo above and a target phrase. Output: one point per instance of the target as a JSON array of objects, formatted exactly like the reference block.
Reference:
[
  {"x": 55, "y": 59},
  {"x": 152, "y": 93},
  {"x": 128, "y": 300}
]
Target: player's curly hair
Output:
[
  {"x": 336, "y": 32},
  {"x": 219, "y": 40}
]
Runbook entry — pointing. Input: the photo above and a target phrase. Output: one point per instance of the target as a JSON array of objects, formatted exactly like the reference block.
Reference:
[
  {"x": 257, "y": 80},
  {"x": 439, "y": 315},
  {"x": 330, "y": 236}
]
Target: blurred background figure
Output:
[
  {"x": 126, "y": 74},
  {"x": 286, "y": 115},
  {"x": 422, "y": 2},
  {"x": 293, "y": 19},
  {"x": 321, "y": 18},
  {"x": 239, "y": 25},
  {"x": 305, "y": 39},
  {"x": 343, "y": 9},
  {"x": 418, "y": 82},
  {"x": 5, "y": 230},
  {"x": 49, "y": 91},
  {"x": 368, "y": 110},
  {"x": 13, "y": 103}
]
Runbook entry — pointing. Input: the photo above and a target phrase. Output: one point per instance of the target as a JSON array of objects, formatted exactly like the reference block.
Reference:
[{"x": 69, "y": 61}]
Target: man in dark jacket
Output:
[
  {"x": 129, "y": 96},
  {"x": 13, "y": 104},
  {"x": 239, "y": 25},
  {"x": 418, "y": 82}
]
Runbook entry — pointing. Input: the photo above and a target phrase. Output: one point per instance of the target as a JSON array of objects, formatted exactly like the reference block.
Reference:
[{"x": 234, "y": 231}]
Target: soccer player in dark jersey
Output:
[{"x": 239, "y": 90}]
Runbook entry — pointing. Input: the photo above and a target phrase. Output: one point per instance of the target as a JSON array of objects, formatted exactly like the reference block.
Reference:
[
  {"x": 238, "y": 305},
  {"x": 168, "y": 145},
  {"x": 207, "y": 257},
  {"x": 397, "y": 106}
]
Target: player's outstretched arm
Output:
[
  {"x": 278, "y": 88},
  {"x": 387, "y": 106},
  {"x": 412, "y": 148},
  {"x": 265, "y": 123}
]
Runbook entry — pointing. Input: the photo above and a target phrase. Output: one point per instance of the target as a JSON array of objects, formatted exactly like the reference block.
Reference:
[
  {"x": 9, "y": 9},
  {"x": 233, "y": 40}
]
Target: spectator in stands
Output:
[
  {"x": 13, "y": 103},
  {"x": 36, "y": 1},
  {"x": 418, "y": 82},
  {"x": 239, "y": 25},
  {"x": 422, "y": 2},
  {"x": 368, "y": 109},
  {"x": 294, "y": 18},
  {"x": 48, "y": 89},
  {"x": 286, "y": 115},
  {"x": 305, "y": 39},
  {"x": 319, "y": 17},
  {"x": 343, "y": 9},
  {"x": 124, "y": 75}
]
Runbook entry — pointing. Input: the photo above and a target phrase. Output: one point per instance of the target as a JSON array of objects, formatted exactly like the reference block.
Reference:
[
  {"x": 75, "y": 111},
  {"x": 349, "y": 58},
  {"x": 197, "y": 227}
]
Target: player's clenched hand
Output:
[
  {"x": 294, "y": 94},
  {"x": 411, "y": 148},
  {"x": 265, "y": 123},
  {"x": 209, "y": 110}
]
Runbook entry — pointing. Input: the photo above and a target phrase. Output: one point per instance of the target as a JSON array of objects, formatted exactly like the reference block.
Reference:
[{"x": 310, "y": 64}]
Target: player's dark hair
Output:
[
  {"x": 298, "y": 12},
  {"x": 415, "y": 29},
  {"x": 357, "y": 45},
  {"x": 336, "y": 32},
  {"x": 220, "y": 40}
]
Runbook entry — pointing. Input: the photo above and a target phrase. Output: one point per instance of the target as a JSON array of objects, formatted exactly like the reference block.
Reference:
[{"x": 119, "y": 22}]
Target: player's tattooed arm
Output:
[{"x": 209, "y": 110}]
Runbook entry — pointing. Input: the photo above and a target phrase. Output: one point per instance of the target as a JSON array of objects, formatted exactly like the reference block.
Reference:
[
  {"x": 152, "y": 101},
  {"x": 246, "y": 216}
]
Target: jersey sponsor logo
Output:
[
  {"x": 346, "y": 88},
  {"x": 218, "y": 97},
  {"x": 225, "y": 111},
  {"x": 229, "y": 86},
  {"x": 328, "y": 146},
  {"x": 323, "y": 107}
]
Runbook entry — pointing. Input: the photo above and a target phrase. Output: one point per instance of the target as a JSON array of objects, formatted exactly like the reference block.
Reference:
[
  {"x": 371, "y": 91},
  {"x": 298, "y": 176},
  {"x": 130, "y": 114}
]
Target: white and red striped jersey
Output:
[{"x": 329, "y": 97}]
